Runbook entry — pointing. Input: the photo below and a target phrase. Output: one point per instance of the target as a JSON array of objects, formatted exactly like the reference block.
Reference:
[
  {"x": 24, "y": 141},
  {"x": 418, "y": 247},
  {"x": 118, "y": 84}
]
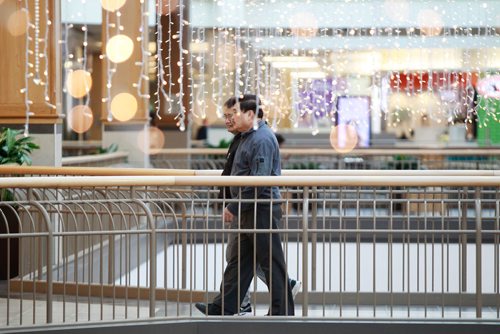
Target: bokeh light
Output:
[
  {"x": 112, "y": 5},
  {"x": 225, "y": 56},
  {"x": 304, "y": 24},
  {"x": 119, "y": 48},
  {"x": 80, "y": 118},
  {"x": 124, "y": 107},
  {"x": 430, "y": 22},
  {"x": 156, "y": 139},
  {"x": 489, "y": 87},
  {"x": 168, "y": 7},
  {"x": 16, "y": 24},
  {"x": 397, "y": 10},
  {"x": 78, "y": 83},
  {"x": 204, "y": 112},
  {"x": 343, "y": 138}
]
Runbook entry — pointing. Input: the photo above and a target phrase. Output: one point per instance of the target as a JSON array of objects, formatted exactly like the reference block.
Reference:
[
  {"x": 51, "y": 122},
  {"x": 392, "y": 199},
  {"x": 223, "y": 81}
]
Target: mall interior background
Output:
[{"x": 366, "y": 73}]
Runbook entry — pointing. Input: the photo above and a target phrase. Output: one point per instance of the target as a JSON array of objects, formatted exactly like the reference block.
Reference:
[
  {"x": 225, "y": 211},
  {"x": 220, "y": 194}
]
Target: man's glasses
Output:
[{"x": 228, "y": 116}]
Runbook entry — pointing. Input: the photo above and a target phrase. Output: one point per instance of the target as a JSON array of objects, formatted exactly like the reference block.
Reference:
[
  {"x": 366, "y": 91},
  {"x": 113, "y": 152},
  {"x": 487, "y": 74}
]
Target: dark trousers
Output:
[{"x": 270, "y": 257}]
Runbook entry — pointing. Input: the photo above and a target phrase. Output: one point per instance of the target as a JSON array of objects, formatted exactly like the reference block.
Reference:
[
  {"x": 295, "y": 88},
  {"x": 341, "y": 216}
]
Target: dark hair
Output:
[
  {"x": 244, "y": 98},
  {"x": 252, "y": 105},
  {"x": 279, "y": 138}
]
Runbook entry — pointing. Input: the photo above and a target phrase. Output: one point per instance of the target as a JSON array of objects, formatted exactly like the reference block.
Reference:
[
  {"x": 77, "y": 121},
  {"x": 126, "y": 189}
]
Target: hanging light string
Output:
[
  {"x": 247, "y": 60},
  {"x": 169, "y": 57},
  {"x": 27, "y": 74},
  {"x": 36, "y": 43},
  {"x": 45, "y": 57},
  {"x": 143, "y": 77},
  {"x": 160, "y": 74},
  {"x": 68, "y": 56},
  {"x": 193, "y": 86},
  {"x": 257, "y": 79},
  {"x": 219, "y": 66},
  {"x": 197, "y": 101},
  {"x": 237, "y": 61},
  {"x": 215, "y": 73},
  {"x": 201, "y": 60},
  {"x": 111, "y": 68},
  {"x": 181, "y": 116},
  {"x": 84, "y": 58}
]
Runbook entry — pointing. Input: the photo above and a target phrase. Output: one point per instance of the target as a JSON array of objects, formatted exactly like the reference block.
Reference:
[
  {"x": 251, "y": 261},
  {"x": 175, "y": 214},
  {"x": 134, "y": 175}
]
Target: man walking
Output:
[{"x": 257, "y": 154}]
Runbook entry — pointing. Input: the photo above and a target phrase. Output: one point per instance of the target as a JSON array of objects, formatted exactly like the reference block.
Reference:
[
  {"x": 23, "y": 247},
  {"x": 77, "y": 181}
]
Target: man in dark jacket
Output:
[{"x": 258, "y": 156}]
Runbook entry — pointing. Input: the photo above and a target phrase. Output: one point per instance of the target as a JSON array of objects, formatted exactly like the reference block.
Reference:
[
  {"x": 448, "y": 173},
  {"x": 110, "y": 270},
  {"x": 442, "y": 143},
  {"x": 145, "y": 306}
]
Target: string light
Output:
[
  {"x": 45, "y": 58},
  {"x": 36, "y": 76},
  {"x": 143, "y": 77},
  {"x": 238, "y": 51},
  {"x": 27, "y": 74},
  {"x": 110, "y": 67},
  {"x": 160, "y": 89},
  {"x": 181, "y": 117}
]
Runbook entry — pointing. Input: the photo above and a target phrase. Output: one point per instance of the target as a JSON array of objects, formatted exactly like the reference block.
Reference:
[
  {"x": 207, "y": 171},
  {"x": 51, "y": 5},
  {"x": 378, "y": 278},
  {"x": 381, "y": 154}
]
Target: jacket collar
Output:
[{"x": 260, "y": 123}]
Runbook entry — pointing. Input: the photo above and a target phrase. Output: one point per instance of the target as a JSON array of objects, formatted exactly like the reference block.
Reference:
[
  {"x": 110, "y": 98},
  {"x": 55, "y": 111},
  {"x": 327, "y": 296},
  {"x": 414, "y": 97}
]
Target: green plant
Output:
[
  {"x": 303, "y": 165},
  {"x": 14, "y": 149},
  {"x": 110, "y": 149},
  {"x": 222, "y": 144}
]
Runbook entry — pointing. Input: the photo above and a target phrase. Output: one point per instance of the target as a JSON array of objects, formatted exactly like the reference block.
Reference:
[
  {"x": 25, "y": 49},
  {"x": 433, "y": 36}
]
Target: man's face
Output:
[
  {"x": 243, "y": 121},
  {"x": 229, "y": 114}
]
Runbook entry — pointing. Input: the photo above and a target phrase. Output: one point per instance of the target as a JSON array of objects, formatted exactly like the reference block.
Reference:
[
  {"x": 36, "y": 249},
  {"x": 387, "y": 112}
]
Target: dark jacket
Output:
[
  {"x": 258, "y": 154},
  {"x": 231, "y": 152}
]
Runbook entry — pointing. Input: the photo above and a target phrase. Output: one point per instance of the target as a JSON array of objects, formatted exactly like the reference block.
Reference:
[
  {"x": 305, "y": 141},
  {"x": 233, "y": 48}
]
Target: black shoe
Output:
[
  {"x": 246, "y": 308},
  {"x": 295, "y": 285},
  {"x": 211, "y": 309}
]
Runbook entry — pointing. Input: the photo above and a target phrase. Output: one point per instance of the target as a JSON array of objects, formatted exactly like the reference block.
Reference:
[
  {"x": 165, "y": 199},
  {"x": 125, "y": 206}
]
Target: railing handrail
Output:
[
  {"x": 92, "y": 158},
  {"x": 107, "y": 171},
  {"x": 356, "y": 152},
  {"x": 89, "y": 171},
  {"x": 349, "y": 180}
]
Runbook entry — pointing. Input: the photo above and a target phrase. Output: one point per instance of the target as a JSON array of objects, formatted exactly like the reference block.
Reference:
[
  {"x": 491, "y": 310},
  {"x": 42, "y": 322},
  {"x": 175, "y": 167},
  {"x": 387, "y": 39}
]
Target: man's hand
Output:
[{"x": 227, "y": 216}]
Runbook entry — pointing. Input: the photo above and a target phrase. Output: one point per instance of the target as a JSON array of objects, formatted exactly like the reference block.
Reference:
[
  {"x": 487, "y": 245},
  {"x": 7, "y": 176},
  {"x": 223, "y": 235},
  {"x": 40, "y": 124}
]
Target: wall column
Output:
[
  {"x": 126, "y": 134},
  {"x": 171, "y": 25},
  {"x": 39, "y": 95}
]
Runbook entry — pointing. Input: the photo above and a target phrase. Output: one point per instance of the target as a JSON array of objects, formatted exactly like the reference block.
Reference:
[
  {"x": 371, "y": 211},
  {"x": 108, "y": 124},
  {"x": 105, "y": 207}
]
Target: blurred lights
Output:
[
  {"x": 119, "y": 48},
  {"x": 430, "y": 22},
  {"x": 17, "y": 22},
  {"x": 124, "y": 107},
  {"x": 80, "y": 118},
  {"x": 343, "y": 138},
  {"x": 155, "y": 139},
  {"x": 78, "y": 83},
  {"x": 168, "y": 6},
  {"x": 113, "y": 5}
]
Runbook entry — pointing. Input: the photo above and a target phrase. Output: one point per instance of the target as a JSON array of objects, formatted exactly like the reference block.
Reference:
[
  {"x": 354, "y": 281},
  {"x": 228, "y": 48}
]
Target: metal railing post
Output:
[
  {"x": 314, "y": 236},
  {"x": 305, "y": 253},
  {"x": 479, "y": 276},
  {"x": 152, "y": 252},
  {"x": 464, "y": 238},
  {"x": 184, "y": 240},
  {"x": 50, "y": 255}
]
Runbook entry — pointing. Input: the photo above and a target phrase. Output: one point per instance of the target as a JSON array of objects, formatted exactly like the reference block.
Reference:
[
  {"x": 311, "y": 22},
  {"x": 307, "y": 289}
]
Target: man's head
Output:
[
  {"x": 232, "y": 107},
  {"x": 244, "y": 119}
]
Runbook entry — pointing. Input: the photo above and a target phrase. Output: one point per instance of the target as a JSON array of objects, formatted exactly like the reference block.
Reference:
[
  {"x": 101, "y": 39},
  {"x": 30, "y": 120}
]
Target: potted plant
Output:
[{"x": 14, "y": 149}]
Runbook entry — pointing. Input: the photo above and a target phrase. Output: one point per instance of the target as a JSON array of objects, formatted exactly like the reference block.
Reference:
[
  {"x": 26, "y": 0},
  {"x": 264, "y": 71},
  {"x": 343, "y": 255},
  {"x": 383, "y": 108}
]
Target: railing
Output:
[
  {"x": 78, "y": 147},
  {"x": 95, "y": 248},
  {"x": 392, "y": 159},
  {"x": 95, "y": 160}
]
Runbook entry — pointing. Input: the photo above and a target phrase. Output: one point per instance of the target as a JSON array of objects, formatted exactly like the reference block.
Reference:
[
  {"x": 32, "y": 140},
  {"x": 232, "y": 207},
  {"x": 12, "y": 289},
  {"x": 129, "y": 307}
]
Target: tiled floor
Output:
[{"x": 69, "y": 311}]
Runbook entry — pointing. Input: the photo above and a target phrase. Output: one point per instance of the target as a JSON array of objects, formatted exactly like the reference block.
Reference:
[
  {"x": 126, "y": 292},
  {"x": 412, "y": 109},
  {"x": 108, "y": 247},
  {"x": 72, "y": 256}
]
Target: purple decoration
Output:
[{"x": 317, "y": 97}]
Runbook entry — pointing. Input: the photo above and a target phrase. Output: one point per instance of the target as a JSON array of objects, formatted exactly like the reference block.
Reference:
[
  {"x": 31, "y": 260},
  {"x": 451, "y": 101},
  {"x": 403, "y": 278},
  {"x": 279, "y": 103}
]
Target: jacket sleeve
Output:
[{"x": 261, "y": 164}]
